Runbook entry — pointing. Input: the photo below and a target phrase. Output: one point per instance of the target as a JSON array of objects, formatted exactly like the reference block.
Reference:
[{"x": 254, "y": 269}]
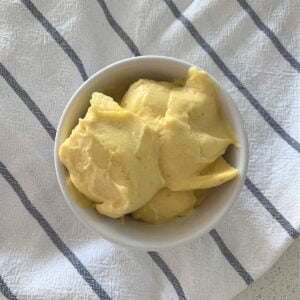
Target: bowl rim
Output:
[{"x": 243, "y": 140}]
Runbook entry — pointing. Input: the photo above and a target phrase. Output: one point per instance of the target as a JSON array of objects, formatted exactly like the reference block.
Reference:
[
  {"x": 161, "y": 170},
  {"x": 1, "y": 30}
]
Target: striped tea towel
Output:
[{"x": 48, "y": 48}]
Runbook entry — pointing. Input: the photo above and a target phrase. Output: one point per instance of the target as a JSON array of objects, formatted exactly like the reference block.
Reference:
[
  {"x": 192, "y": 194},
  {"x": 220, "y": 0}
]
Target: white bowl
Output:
[{"x": 133, "y": 233}]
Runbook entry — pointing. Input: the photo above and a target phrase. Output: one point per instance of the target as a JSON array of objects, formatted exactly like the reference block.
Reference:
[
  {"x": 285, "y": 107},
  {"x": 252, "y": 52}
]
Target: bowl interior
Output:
[{"x": 134, "y": 233}]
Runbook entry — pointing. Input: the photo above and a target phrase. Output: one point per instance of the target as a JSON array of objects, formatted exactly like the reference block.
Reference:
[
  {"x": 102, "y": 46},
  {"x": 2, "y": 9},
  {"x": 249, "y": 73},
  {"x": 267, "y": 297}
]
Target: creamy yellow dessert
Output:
[
  {"x": 167, "y": 206},
  {"x": 112, "y": 157},
  {"x": 148, "y": 155},
  {"x": 191, "y": 131}
]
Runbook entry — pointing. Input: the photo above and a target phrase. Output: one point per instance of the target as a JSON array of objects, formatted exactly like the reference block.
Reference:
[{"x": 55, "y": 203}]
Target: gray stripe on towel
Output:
[
  {"x": 270, "y": 34},
  {"x": 57, "y": 37},
  {"x": 53, "y": 236}
]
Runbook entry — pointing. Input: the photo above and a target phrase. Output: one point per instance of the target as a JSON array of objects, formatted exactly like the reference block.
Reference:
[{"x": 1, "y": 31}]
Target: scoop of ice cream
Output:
[
  {"x": 166, "y": 206},
  {"x": 191, "y": 130},
  {"x": 213, "y": 175},
  {"x": 156, "y": 154},
  {"x": 112, "y": 157}
]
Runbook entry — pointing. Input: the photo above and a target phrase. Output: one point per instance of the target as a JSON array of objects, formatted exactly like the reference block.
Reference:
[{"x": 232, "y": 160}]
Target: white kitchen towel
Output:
[{"x": 48, "y": 48}]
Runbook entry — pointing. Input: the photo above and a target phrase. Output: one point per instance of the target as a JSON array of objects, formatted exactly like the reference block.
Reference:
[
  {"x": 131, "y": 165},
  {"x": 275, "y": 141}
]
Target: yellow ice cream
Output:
[
  {"x": 166, "y": 206},
  {"x": 148, "y": 155},
  {"x": 112, "y": 158},
  {"x": 191, "y": 130}
]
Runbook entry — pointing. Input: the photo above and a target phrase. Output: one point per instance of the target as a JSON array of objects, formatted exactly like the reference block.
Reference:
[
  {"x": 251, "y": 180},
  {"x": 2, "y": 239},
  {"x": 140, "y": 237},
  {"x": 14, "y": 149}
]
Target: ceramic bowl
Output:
[{"x": 134, "y": 233}]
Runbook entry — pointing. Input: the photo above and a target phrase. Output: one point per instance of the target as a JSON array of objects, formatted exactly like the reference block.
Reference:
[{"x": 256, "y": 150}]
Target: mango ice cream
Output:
[{"x": 155, "y": 154}]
